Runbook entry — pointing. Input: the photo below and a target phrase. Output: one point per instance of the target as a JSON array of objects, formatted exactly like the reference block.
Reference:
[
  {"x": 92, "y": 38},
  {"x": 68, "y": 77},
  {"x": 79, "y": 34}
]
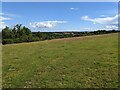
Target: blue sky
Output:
[{"x": 51, "y": 17}]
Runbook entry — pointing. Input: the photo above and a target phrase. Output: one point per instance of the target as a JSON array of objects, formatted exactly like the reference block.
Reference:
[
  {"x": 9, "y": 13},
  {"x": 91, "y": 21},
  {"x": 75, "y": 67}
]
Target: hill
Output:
[{"x": 79, "y": 62}]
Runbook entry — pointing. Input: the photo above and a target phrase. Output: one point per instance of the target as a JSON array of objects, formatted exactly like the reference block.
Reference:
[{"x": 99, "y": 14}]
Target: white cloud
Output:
[
  {"x": 73, "y": 8},
  {"x": 4, "y": 18},
  {"x": 2, "y": 25},
  {"x": 1, "y": 13},
  {"x": 111, "y": 27},
  {"x": 46, "y": 24},
  {"x": 102, "y": 15},
  {"x": 105, "y": 20},
  {"x": 110, "y": 22},
  {"x": 12, "y": 15}
]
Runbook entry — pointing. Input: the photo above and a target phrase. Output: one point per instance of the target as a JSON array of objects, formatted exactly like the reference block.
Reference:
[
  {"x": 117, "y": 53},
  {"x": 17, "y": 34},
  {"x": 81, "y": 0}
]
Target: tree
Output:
[
  {"x": 26, "y": 31},
  {"x": 7, "y": 33},
  {"x": 18, "y": 28},
  {"x": 14, "y": 32}
]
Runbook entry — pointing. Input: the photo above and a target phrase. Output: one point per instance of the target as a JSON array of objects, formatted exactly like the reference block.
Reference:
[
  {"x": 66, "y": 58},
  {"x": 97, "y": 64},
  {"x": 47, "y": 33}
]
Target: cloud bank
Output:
[
  {"x": 109, "y": 22},
  {"x": 3, "y": 18},
  {"x": 46, "y": 24},
  {"x": 2, "y": 23}
]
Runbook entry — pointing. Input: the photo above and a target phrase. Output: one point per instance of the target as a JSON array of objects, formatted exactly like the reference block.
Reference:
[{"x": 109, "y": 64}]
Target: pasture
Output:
[{"x": 79, "y": 62}]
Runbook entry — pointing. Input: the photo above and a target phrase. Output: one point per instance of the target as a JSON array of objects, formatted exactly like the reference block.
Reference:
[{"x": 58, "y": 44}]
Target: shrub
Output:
[
  {"x": 7, "y": 41},
  {"x": 24, "y": 38},
  {"x": 35, "y": 39},
  {"x": 17, "y": 40}
]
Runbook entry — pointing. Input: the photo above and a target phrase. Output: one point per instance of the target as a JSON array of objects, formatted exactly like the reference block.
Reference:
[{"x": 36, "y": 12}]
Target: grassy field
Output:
[{"x": 86, "y": 62}]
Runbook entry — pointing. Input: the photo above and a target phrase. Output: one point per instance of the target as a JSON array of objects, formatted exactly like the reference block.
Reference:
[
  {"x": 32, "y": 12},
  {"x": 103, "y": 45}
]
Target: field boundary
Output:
[{"x": 70, "y": 38}]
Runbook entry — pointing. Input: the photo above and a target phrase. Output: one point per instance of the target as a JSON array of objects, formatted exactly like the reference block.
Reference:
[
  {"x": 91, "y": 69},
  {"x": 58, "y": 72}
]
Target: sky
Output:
[{"x": 60, "y": 16}]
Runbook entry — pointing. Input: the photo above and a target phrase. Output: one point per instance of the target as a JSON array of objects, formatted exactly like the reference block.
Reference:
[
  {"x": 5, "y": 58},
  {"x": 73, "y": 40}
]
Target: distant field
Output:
[{"x": 82, "y": 62}]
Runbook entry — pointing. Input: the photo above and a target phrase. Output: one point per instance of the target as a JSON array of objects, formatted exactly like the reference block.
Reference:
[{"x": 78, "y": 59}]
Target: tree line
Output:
[{"x": 19, "y": 34}]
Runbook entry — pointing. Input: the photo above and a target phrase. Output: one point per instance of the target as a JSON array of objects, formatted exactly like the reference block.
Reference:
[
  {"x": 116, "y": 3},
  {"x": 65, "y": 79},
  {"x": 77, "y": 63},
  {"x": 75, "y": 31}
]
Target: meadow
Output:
[{"x": 78, "y": 62}]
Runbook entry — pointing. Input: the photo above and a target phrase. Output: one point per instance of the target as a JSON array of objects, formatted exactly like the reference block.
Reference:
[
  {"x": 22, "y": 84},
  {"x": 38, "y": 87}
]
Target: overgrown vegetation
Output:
[{"x": 20, "y": 33}]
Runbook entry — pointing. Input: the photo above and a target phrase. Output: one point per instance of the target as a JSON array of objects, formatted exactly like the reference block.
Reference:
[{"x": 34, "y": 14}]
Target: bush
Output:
[
  {"x": 35, "y": 39},
  {"x": 17, "y": 40},
  {"x": 7, "y": 41},
  {"x": 24, "y": 38}
]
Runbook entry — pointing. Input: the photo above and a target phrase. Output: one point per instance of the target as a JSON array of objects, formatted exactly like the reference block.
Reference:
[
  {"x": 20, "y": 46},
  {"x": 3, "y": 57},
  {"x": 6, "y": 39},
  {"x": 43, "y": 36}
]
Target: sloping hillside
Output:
[{"x": 81, "y": 62}]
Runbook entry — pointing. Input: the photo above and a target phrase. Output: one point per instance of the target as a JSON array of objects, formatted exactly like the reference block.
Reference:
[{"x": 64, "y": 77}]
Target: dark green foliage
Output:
[
  {"x": 7, "y": 41},
  {"x": 24, "y": 38},
  {"x": 19, "y": 34},
  {"x": 17, "y": 40},
  {"x": 7, "y": 33}
]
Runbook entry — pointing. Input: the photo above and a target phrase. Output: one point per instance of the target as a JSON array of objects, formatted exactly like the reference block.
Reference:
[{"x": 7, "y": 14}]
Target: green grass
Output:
[{"x": 87, "y": 62}]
